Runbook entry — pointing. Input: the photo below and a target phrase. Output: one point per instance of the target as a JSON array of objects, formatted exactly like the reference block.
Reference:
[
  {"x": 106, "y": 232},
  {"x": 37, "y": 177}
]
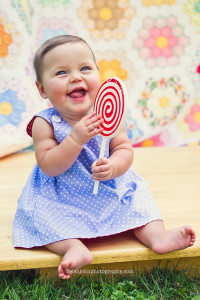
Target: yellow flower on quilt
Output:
[
  {"x": 158, "y": 2},
  {"x": 192, "y": 8},
  {"x": 12, "y": 105},
  {"x": 106, "y": 19},
  {"x": 111, "y": 68},
  {"x": 116, "y": 64},
  {"x": 5, "y": 108},
  {"x": 162, "y": 102}
]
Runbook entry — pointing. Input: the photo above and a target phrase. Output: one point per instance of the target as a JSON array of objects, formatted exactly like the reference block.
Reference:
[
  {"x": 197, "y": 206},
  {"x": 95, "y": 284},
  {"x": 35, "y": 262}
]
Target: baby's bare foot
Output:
[
  {"x": 76, "y": 257},
  {"x": 175, "y": 239},
  {"x": 188, "y": 233}
]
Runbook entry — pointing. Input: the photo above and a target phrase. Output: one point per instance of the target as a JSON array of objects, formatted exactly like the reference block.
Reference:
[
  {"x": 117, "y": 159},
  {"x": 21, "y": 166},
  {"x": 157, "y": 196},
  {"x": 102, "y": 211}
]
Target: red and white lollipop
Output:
[{"x": 111, "y": 103}]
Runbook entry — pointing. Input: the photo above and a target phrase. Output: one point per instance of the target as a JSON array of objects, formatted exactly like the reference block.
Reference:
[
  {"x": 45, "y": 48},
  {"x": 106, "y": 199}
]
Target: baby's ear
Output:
[{"x": 41, "y": 90}]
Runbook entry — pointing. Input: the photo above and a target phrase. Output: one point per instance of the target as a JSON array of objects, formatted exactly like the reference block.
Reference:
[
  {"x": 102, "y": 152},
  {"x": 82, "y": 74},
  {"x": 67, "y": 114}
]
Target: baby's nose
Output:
[{"x": 75, "y": 76}]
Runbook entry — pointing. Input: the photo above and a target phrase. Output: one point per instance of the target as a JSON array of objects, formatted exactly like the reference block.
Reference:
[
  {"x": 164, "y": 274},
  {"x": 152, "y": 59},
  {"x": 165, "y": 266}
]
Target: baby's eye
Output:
[
  {"x": 85, "y": 68},
  {"x": 61, "y": 73}
]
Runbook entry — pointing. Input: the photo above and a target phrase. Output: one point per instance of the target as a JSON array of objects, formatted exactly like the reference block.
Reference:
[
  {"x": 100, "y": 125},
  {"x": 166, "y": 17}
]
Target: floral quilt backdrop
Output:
[{"x": 152, "y": 45}]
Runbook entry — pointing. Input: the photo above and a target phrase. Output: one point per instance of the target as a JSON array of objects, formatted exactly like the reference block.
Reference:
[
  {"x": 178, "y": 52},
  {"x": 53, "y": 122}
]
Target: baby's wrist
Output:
[
  {"x": 75, "y": 140},
  {"x": 112, "y": 170}
]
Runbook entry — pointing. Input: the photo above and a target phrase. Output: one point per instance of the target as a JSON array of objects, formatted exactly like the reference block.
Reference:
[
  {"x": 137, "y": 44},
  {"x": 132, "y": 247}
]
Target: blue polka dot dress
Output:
[{"x": 51, "y": 209}]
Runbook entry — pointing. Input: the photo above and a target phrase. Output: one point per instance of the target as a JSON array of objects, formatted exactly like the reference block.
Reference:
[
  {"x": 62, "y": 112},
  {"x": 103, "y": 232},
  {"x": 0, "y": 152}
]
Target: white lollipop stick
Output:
[
  {"x": 102, "y": 151},
  {"x": 111, "y": 103}
]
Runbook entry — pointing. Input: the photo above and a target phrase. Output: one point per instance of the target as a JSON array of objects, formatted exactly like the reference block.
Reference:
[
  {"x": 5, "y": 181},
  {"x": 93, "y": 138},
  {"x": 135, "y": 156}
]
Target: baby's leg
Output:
[
  {"x": 163, "y": 241},
  {"x": 75, "y": 255}
]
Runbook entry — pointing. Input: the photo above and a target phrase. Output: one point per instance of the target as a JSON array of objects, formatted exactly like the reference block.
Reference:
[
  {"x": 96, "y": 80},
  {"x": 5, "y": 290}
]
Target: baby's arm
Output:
[
  {"x": 53, "y": 158},
  {"x": 120, "y": 160}
]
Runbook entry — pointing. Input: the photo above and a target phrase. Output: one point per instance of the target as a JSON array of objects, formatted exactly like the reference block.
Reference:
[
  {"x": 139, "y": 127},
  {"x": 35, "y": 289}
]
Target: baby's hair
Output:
[{"x": 49, "y": 45}]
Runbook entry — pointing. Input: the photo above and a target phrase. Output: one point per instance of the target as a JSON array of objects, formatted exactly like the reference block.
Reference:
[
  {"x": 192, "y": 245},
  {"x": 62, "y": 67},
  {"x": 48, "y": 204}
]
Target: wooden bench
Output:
[{"x": 174, "y": 177}]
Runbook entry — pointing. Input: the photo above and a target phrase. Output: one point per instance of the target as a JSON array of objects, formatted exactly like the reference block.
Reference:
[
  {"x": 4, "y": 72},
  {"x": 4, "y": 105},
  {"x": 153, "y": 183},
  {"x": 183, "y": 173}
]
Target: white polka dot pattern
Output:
[{"x": 62, "y": 207}]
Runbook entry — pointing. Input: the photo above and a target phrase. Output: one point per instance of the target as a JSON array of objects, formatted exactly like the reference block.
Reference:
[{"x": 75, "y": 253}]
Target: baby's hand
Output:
[
  {"x": 86, "y": 128},
  {"x": 102, "y": 169}
]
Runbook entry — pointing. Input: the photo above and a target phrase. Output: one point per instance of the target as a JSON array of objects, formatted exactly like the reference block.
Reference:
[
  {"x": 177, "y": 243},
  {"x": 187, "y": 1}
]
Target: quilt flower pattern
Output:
[
  {"x": 161, "y": 41},
  {"x": 152, "y": 45},
  {"x": 106, "y": 19},
  {"x": 162, "y": 101}
]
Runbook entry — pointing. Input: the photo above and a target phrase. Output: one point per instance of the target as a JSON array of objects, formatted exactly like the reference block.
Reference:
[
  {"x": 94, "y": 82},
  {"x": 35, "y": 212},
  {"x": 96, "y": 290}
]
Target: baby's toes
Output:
[
  {"x": 192, "y": 240},
  {"x": 63, "y": 271}
]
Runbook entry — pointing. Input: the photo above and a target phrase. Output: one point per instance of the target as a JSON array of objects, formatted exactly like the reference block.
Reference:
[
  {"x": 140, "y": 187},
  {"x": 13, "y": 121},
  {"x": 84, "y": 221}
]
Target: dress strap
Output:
[{"x": 30, "y": 125}]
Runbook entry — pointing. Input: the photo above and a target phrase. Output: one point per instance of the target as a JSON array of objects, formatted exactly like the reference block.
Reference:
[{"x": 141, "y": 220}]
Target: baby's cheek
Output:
[
  {"x": 57, "y": 86},
  {"x": 94, "y": 86}
]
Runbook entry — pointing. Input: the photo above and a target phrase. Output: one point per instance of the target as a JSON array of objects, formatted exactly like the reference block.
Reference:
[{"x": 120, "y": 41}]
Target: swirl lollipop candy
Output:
[{"x": 111, "y": 103}]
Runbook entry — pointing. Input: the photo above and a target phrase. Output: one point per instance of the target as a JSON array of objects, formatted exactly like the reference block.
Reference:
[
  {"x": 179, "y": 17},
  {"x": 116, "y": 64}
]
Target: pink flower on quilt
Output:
[
  {"x": 161, "y": 41},
  {"x": 193, "y": 118},
  {"x": 154, "y": 141}
]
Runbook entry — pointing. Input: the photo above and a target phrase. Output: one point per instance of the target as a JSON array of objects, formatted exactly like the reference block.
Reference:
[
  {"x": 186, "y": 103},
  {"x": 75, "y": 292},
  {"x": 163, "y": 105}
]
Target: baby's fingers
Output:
[
  {"x": 101, "y": 169},
  {"x": 99, "y": 162},
  {"x": 100, "y": 165},
  {"x": 103, "y": 175},
  {"x": 96, "y": 126},
  {"x": 94, "y": 122}
]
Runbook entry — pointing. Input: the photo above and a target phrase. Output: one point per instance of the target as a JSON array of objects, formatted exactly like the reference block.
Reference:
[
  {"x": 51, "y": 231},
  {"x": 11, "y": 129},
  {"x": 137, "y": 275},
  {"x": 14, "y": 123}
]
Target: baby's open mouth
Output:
[{"x": 79, "y": 93}]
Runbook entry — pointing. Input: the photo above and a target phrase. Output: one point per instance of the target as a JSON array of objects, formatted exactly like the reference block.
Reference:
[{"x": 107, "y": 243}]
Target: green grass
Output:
[{"x": 159, "y": 284}]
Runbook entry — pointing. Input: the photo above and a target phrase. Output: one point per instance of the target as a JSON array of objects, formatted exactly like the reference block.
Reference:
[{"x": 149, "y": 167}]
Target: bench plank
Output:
[{"x": 174, "y": 178}]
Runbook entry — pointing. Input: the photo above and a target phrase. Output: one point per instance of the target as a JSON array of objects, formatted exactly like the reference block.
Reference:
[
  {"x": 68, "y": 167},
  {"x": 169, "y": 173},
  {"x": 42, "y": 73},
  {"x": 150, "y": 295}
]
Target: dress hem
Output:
[{"x": 87, "y": 238}]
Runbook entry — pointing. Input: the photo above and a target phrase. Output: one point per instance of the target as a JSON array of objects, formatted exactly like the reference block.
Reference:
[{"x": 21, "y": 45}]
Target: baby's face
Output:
[{"x": 70, "y": 79}]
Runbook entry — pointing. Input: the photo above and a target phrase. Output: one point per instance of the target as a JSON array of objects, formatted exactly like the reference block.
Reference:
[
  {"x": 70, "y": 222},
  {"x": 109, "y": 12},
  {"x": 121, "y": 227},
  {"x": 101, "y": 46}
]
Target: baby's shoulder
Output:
[{"x": 47, "y": 114}]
